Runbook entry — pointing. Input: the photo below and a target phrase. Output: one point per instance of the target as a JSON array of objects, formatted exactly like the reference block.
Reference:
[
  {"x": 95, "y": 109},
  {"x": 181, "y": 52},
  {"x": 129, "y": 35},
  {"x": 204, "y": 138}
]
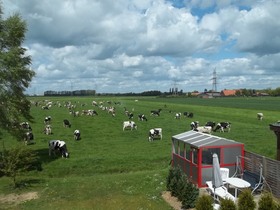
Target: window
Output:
[{"x": 207, "y": 155}]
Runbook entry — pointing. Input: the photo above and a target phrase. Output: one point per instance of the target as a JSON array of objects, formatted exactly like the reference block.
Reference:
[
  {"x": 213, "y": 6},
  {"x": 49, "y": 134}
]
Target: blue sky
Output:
[{"x": 141, "y": 45}]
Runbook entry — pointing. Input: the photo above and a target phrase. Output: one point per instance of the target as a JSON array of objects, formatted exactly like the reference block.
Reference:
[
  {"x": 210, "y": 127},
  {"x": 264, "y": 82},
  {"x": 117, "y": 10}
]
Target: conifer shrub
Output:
[
  {"x": 190, "y": 194},
  {"x": 227, "y": 204},
  {"x": 204, "y": 202},
  {"x": 181, "y": 187},
  {"x": 266, "y": 202},
  {"x": 246, "y": 201}
]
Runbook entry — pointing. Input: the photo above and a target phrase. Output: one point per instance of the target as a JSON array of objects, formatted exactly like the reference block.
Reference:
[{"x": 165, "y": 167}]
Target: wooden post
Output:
[{"x": 276, "y": 128}]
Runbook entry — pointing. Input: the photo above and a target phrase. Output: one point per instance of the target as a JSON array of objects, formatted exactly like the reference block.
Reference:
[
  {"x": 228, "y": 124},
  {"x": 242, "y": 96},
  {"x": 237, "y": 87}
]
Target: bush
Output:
[
  {"x": 179, "y": 186},
  {"x": 17, "y": 160},
  {"x": 204, "y": 202},
  {"x": 227, "y": 204},
  {"x": 266, "y": 202},
  {"x": 173, "y": 185},
  {"x": 190, "y": 194},
  {"x": 246, "y": 201}
]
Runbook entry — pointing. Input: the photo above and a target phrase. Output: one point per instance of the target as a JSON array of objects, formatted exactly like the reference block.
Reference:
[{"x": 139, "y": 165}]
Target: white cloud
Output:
[{"x": 87, "y": 44}]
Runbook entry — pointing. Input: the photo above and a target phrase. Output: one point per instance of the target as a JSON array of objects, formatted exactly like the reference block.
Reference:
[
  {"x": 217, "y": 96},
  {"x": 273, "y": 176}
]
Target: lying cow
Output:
[
  {"x": 77, "y": 135},
  {"x": 66, "y": 124},
  {"x": 259, "y": 116},
  {"x": 155, "y": 133},
  {"x": 129, "y": 124},
  {"x": 58, "y": 146},
  {"x": 203, "y": 129},
  {"x": 222, "y": 126},
  {"x": 142, "y": 117},
  {"x": 155, "y": 112}
]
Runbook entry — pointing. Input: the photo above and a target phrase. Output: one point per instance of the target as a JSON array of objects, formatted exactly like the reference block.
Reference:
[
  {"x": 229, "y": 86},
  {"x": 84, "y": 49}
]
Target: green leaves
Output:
[{"x": 15, "y": 74}]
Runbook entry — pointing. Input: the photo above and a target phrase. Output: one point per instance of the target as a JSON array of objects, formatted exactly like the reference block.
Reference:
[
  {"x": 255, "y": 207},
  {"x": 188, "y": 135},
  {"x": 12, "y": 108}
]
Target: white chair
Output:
[
  {"x": 220, "y": 192},
  {"x": 224, "y": 173}
]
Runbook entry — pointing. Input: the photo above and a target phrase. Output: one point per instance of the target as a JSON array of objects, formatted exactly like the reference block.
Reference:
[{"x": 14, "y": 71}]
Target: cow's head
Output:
[{"x": 63, "y": 151}]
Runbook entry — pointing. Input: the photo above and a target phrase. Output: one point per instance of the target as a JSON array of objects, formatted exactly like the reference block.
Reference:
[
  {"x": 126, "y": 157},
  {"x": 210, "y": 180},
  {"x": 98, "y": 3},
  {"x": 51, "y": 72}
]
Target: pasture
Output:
[{"x": 114, "y": 169}]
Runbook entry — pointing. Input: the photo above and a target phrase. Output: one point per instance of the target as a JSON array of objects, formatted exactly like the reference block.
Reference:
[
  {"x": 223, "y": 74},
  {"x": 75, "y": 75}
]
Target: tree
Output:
[
  {"x": 18, "y": 160},
  {"x": 15, "y": 75}
]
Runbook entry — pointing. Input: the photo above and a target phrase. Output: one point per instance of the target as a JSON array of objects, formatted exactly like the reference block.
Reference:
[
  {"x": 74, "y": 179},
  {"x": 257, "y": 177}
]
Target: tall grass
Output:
[{"x": 114, "y": 169}]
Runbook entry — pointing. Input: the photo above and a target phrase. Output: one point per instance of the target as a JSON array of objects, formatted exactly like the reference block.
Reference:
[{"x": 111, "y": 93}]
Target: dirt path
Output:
[{"x": 15, "y": 199}]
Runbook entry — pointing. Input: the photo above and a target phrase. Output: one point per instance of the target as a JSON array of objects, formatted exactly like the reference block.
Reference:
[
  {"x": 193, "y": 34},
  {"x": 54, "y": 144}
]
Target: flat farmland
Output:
[{"x": 114, "y": 169}]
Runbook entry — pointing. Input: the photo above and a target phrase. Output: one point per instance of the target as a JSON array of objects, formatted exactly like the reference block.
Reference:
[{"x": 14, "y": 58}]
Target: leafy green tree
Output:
[
  {"x": 15, "y": 74},
  {"x": 17, "y": 160}
]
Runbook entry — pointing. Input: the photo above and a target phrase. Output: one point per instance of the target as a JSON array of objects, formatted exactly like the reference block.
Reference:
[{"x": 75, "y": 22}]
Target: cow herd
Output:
[{"x": 59, "y": 146}]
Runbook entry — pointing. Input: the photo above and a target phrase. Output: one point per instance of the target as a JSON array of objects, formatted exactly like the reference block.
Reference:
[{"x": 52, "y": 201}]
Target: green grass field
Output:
[{"x": 114, "y": 169}]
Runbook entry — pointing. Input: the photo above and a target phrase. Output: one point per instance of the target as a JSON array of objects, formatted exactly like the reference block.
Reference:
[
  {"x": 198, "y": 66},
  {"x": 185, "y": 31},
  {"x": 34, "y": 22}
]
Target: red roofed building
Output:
[{"x": 228, "y": 92}]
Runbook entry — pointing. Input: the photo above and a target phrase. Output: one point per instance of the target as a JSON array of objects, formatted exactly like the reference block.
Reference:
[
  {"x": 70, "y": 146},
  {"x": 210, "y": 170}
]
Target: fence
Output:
[{"x": 270, "y": 167}]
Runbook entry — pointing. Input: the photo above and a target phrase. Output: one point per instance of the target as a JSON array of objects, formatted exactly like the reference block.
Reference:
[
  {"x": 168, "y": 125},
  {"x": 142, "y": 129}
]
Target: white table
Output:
[{"x": 237, "y": 183}]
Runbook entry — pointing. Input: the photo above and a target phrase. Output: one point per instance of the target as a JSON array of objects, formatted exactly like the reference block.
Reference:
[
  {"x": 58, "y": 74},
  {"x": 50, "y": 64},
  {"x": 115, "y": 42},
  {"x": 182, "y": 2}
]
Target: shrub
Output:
[
  {"x": 266, "y": 202},
  {"x": 173, "y": 185},
  {"x": 17, "y": 160},
  {"x": 180, "y": 187},
  {"x": 227, "y": 204},
  {"x": 190, "y": 194},
  {"x": 204, "y": 202},
  {"x": 246, "y": 201}
]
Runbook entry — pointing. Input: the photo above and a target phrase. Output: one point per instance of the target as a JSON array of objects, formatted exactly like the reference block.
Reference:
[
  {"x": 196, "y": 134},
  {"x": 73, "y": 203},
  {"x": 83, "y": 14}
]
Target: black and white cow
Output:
[
  {"x": 156, "y": 112},
  {"x": 194, "y": 125},
  {"x": 142, "y": 117},
  {"x": 26, "y": 126},
  {"x": 47, "y": 120},
  {"x": 66, "y": 123},
  {"x": 48, "y": 130},
  {"x": 210, "y": 123},
  {"x": 28, "y": 138},
  {"x": 58, "y": 146},
  {"x": 130, "y": 115},
  {"x": 260, "y": 116},
  {"x": 129, "y": 124},
  {"x": 190, "y": 115},
  {"x": 178, "y": 115},
  {"x": 223, "y": 126},
  {"x": 77, "y": 135},
  {"x": 155, "y": 133}
]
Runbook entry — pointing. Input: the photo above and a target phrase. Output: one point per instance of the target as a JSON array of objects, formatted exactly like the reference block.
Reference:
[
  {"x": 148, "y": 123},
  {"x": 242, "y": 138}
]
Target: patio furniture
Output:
[{"x": 237, "y": 183}]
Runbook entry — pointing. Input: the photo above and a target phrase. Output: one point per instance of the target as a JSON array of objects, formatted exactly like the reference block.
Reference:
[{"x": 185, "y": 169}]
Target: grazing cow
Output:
[
  {"x": 129, "y": 124},
  {"x": 260, "y": 116},
  {"x": 47, "y": 120},
  {"x": 77, "y": 135},
  {"x": 194, "y": 125},
  {"x": 29, "y": 138},
  {"x": 142, "y": 117},
  {"x": 156, "y": 112},
  {"x": 178, "y": 115},
  {"x": 210, "y": 123},
  {"x": 60, "y": 146},
  {"x": 203, "y": 129},
  {"x": 222, "y": 126},
  {"x": 48, "y": 130},
  {"x": 130, "y": 115},
  {"x": 155, "y": 133},
  {"x": 66, "y": 124},
  {"x": 188, "y": 114}
]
